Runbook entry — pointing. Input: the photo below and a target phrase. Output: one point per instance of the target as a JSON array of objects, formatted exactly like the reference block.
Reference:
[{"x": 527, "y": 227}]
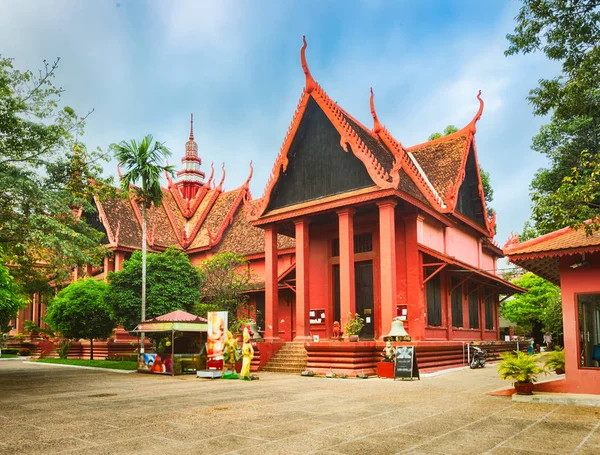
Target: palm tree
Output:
[{"x": 142, "y": 163}]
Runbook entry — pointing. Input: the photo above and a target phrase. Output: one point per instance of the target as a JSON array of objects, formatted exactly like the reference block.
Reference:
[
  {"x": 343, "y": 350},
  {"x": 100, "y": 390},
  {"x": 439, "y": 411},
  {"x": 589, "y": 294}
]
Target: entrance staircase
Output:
[{"x": 291, "y": 358}]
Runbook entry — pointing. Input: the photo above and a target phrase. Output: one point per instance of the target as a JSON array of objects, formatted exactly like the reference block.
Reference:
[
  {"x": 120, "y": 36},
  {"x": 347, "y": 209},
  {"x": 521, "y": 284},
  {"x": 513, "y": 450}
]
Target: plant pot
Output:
[
  {"x": 559, "y": 371},
  {"x": 353, "y": 338},
  {"x": 524, "y": 388}
]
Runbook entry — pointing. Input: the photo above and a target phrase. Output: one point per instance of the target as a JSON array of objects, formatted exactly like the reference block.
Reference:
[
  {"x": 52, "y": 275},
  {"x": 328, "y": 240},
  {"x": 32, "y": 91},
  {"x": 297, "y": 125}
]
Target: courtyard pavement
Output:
[{"x": 47, "y": 410}]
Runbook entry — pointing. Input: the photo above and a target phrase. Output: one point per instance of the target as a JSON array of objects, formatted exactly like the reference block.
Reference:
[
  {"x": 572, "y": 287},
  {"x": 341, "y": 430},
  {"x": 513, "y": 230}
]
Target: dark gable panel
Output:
[
  {"x": 469, "y": 202},
  {"x": 317, "y": 165}
]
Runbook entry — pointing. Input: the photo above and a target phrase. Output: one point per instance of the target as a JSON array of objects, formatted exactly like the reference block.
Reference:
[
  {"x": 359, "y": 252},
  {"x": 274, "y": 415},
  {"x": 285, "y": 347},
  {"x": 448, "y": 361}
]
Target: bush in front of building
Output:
[
  {"x": 172, "y": 283},
  {"x": 79, "y": 311}
]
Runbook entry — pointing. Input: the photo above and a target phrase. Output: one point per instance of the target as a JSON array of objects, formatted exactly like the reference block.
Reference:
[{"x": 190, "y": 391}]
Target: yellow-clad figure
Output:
[
  {"x": 230, "y": 347},
  {"x": 247, "y": 355}
]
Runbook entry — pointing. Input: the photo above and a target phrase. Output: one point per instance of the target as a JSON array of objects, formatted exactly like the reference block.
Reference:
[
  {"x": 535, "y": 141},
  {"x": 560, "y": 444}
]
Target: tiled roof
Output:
[
  {"x": 178, "y": 316},
  {"x": 555, "y": 243},
  {"x": 381, "y": 153},
  {"x": 542, "y": 254},
  {"x": 442, "y": 160},
  {"x": 243, "y": 238}
]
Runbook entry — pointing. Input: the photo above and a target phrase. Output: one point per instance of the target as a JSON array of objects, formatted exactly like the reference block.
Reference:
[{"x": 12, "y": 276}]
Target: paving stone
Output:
[{"x": 46, "y": 410}]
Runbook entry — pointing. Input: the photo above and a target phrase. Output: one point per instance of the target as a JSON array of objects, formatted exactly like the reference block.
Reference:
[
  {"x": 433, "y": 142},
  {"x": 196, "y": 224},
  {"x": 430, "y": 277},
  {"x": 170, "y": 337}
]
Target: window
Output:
[
  {"x": 489, "y": 313},
  {"x": 434, "y": 301},
  {"x": 474, "y": 309},
  {"x": 457, "y": 304},
  {"x": 363, "y": 243},
  {"x": 589, "y": 330}
]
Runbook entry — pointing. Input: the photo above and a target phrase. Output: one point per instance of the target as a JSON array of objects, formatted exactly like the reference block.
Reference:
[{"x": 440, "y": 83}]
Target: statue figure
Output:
[
  {"x": 389, "y": 352},
  {"x": 337, "y": 331},
  {"x": 247, "y": 355},
  {"x": 230, "y": 353}
]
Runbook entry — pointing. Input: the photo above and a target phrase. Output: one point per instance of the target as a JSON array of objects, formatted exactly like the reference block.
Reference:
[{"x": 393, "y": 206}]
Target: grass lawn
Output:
[
  {"x": 9, "y": 356},
  {"x": 113, "y": 364}
]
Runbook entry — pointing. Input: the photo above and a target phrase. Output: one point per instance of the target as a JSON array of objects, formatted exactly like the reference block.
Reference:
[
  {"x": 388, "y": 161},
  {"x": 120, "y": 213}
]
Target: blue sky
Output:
[{"x": 143, "y": 66}]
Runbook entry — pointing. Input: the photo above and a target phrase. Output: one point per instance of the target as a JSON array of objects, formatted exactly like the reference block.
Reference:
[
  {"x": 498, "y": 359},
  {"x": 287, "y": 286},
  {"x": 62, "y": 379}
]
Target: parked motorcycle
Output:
[{"x": 478, "y": 357}]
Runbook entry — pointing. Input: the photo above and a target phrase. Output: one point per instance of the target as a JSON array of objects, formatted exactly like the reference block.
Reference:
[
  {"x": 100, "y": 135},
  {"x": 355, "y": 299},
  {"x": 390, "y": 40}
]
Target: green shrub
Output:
[
  {"x": 555, "y": 360},
  {"x": 24, "y": 352},
  {"x": 519, "y": 367}
]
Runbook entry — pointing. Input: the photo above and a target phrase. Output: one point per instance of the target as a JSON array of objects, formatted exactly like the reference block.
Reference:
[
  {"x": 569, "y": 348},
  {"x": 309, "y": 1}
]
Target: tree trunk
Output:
[
  {"x": 143, "y": 337},
  {"x": 91, "y": 349}
]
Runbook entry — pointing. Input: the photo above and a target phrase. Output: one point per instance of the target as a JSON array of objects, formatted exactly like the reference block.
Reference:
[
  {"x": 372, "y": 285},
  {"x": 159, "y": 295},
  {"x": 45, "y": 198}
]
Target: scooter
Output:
[{"x": 478, "y": 357}]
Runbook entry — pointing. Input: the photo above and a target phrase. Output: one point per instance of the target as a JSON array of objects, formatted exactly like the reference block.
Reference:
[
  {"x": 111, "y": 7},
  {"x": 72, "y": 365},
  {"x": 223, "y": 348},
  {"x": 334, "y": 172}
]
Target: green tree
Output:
[
  {"x": 79, "y": 311},
  {"x": 11, "y": 298},
  {"x": 535, "y": 310},
  {"x": 448, "y": 130},
  {"x": 45, "y": 178},
  {"x": 173, "y": 284},
  {"x": 143, "y": 164},
  {"x": 566, "y": 31},
  {"x": 224, "y": 281}
]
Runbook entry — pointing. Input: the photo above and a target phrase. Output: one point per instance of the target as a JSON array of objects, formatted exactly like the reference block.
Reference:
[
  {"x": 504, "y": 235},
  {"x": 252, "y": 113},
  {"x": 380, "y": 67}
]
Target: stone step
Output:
[
  {"x": 289, "y": 356},
  {"x": 283, "y": 370},
  {"x": 284, "y": 363}
]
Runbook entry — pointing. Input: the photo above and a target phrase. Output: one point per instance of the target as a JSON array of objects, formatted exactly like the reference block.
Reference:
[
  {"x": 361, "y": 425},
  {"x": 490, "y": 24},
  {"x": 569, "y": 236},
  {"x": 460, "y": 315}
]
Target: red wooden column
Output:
[
  {"x": 302, "y": 280},
  {"x": 347, "y": 291},
  {"x": 414, "y": 294},
  {"x": 387, "y": 257},
  {"x": 271, "y": 285}
]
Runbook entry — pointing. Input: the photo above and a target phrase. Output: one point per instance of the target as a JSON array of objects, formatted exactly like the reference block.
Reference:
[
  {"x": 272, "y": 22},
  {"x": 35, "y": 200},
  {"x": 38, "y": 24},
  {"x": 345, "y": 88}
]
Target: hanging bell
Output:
[
  {"x": 254, "y": 330},
  {"x": 397, "y": 333}
]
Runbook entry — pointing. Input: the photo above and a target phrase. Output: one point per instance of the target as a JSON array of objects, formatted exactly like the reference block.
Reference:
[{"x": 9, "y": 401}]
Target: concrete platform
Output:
[
  {"x": 570, "y": 399},
  {"x": 209, "y": 374}
]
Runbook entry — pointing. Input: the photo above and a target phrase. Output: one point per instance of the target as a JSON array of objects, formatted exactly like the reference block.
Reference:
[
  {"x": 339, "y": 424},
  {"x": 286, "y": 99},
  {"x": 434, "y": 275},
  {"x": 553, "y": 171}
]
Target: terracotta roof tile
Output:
[
  {"x": 441, "y": 160},
  {"x": 563, "y": 239},
  {"x": 408, "y": 186},
  {"x": 120, "y": 212},
  {"x": 376, "y": 146},
  {"x": 243, "y": 238}
]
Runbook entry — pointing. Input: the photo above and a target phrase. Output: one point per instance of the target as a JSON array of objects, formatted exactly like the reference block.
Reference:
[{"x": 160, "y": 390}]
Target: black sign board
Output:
[{"x": 405, "y": 363}]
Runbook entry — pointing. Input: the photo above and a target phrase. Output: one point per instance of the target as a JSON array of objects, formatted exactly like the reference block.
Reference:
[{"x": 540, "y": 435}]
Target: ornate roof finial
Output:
[
  {"x": 212, "y": 173},
  {"x": 220, "y": 185},
  {"x": 119, "y": 170},
  {"x": 310, "y": 82},
  {"x": 376, "y": 124},
  {"x": 247, "y": 183},
  {"x": 191, "y": 127},
  {"x": 473, "y": 125}
]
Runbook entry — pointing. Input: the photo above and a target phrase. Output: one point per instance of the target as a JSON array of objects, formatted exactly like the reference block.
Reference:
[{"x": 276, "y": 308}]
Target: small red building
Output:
[{"x": 571, "y": 260}]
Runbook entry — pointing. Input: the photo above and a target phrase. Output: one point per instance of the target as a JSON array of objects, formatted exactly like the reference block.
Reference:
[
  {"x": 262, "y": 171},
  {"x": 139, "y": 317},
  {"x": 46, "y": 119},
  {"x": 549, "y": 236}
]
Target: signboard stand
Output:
[{"x": 405, "y": 363}]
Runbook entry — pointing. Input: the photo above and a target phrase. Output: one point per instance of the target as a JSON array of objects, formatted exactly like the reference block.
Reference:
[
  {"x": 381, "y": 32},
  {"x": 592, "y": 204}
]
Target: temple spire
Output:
[
  {"x": 376, "y": 124},
  {"x": 310, "y": 82},
  {"x": 191, "y": 127}
]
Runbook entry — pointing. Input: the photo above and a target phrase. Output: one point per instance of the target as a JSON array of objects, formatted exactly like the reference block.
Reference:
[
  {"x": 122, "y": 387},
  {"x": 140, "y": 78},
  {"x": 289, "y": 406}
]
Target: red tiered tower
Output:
[{"x": 190, "y": 179}]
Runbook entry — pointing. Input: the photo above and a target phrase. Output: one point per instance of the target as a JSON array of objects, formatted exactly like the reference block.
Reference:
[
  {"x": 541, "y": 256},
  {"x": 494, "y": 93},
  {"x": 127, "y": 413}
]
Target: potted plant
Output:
[
  {"x": 555, "y": 361},
  {"x": 353, "y": 326},
  {"x": 521, "y": 368}
]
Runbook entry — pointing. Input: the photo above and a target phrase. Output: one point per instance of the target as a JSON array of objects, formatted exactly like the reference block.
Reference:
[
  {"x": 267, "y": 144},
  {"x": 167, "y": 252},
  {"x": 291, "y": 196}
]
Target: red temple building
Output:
[{"x": 351, "y": 221}]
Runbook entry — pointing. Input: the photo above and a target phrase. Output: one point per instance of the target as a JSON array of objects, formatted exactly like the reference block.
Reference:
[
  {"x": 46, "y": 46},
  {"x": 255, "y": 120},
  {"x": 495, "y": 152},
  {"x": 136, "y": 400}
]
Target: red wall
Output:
[{"x": 582, "y": 280}]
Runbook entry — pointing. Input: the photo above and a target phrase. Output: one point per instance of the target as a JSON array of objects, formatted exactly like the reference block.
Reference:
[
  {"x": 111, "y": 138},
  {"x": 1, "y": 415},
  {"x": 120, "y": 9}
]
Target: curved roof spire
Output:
[
  {"x": 191, "y": 127},
  {"x": 473, "y": 124},
  {"x": 310, "y": 82},
  {"x": 376, "y": 124}
]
